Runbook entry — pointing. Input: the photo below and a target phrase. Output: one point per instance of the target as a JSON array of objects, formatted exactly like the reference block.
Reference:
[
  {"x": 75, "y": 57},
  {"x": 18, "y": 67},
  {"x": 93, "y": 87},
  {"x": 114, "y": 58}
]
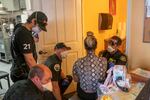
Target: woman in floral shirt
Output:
[{"x": 89, "y": 70}]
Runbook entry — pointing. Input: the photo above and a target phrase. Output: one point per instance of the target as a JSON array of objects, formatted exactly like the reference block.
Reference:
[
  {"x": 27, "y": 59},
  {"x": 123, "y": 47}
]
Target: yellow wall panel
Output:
[{"x": 91, "y": 10}]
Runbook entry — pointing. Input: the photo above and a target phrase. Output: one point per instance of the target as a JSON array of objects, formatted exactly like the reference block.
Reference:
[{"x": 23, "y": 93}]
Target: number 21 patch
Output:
[{"x": 26, "y": 46}]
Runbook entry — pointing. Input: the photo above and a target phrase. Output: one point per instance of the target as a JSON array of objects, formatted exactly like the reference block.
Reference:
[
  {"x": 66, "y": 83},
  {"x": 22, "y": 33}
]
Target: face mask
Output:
[
  {"x": 110, "y": 49},
  {"x": 48, "y": 86},
  {"x": 36, "y": 30},
  {"x": 64, "y": 54}
]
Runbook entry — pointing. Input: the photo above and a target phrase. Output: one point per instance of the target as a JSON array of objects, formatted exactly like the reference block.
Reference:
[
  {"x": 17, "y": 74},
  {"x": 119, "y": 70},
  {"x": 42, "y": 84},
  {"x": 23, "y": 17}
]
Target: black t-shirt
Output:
[
  {"x": 116, "y": 58},
  {"x": 22, "y": 42},
  {"x": 54, "y": 63},
  {"x": 26, "y": 90}
]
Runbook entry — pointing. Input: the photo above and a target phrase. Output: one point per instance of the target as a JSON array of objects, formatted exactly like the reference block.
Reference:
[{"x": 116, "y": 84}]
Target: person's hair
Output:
[
  {"x": 90, "y": 42},
  {"x": 36, "y": 71},
  {"x": 39, "y": 17},
  {"x": 118, "y": 39},
  {"x": 32, "y": 16}
]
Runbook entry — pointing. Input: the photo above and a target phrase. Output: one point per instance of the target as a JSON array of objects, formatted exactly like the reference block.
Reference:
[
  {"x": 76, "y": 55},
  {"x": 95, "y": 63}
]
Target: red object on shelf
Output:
[{"x": 112, "y": 7}]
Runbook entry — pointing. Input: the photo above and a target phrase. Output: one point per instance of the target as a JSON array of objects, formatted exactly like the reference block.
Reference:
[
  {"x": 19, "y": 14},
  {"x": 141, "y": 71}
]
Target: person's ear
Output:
[
  {"x": 34, "y": 21},
  {"x": 36, "y": 78}
]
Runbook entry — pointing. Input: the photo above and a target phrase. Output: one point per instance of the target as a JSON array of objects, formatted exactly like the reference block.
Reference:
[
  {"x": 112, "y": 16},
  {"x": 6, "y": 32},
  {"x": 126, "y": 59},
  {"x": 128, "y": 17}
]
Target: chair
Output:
[{"x": 4, "y": 75}]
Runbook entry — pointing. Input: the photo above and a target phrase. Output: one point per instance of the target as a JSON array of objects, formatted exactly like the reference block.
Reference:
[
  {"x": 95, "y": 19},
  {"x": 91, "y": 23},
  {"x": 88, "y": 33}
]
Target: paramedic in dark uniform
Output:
[
  {"x": 90, "y": 70},
  {"x": 23, "y": 48},
  {"x": 34, "y": 88},
  {"x": 60, "y": 82},
  {"x": 113, "y": 55}
]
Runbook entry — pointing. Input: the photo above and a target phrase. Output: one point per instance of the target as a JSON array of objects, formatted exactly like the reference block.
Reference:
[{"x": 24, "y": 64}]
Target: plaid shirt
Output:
[{"x": 89, "y": 70}]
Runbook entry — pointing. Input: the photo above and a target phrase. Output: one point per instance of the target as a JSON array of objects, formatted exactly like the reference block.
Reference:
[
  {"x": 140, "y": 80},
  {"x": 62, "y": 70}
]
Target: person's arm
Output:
[
  {"x": 48, "y": 95},
  {"x": 27, "y": 46},
  {"x": 29, "y": 59},
  {"x": 36, "y": 39},
  {"x": 104, "y": 68},
  {"x": 122, "y": 60},
  {"x": 101, "y": 53},
  {"x": 55, "y": 68},
  {"x": 74, "y": 72},
  {"x": 56, "y": 90},
  {"x": 62, "y": 75},
  {"x": 75, "y": 78}
]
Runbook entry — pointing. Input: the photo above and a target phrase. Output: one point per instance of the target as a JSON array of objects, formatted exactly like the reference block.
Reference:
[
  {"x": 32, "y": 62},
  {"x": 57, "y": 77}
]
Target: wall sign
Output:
[
  {"x": 112, "y": 7},
  {"x": 146, "y": 35}
]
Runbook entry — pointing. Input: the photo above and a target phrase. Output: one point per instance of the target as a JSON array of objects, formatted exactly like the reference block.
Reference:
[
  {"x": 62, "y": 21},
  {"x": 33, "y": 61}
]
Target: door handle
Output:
[{"x": 42, "y": 52}]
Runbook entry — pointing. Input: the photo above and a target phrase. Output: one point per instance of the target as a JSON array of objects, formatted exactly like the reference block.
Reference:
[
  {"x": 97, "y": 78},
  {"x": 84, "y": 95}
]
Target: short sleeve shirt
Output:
[
  {"x": 90, "y": 70},
  {"x": 117, "y": 58},
  {"x": 54, "y": 63},
  {"x": 22, "y": 42}
]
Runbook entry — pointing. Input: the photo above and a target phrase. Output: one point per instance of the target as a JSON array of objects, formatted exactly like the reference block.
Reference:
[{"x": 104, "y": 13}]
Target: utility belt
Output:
[{"x": 19, "y": 69}]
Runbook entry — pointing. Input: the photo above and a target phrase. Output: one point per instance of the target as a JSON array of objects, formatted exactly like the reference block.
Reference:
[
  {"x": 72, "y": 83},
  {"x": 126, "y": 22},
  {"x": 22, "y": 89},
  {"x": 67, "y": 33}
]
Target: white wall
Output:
[
  {"x": 36, "y": 5},
  {"x": 138, "y": 52}
]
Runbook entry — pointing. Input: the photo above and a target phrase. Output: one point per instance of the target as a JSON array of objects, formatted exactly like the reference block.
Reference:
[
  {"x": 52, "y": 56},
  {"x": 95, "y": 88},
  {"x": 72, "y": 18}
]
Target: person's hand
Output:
[
  {"x": 65, "y": 82},
  {"x": 110, "y": 70},
  {"x": 69, "y": 77}
]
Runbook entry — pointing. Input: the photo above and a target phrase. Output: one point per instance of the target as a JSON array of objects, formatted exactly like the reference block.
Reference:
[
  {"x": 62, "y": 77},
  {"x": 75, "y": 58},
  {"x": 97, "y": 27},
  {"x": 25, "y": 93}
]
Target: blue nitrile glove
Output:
[
  {"x": 65, "y": 82},
  {"x": 111, "y": 64}
]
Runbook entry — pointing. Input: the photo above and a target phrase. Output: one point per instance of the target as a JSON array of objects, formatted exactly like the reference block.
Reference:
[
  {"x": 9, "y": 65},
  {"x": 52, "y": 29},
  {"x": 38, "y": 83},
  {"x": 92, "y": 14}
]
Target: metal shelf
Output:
[
  {"x": 5, "y": 54},
  {"x": 5, "y": 49}
]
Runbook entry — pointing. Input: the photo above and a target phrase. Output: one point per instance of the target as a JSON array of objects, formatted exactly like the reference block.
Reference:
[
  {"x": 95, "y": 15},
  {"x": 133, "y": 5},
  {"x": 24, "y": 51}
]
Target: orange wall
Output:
[{"x": 91, "y": 10}]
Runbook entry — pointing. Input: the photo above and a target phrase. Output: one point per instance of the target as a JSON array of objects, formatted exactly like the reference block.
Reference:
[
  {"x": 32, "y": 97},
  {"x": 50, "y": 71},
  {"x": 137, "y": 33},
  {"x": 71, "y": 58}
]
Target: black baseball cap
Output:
[
  {"x": 41, "y": 19},
  {"x": 62, "y": 45},
  {"x": 115, "y": 40}
]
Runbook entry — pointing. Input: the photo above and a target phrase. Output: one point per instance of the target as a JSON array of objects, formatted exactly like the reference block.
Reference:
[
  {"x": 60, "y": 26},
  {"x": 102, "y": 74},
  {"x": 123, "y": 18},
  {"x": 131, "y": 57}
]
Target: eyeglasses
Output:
[{"x": 112, "y": 42}]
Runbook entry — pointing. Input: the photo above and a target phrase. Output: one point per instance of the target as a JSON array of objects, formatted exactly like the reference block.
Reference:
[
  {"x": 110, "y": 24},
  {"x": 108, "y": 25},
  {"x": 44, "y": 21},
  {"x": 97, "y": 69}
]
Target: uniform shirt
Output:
[
  {"x": 117, "y": 58},
  {"x": 22, "y": 42},
  {"x": 54, "y": 63},
  {"x": 26, "y": 90},
  {"x": 89, "y": 70}
]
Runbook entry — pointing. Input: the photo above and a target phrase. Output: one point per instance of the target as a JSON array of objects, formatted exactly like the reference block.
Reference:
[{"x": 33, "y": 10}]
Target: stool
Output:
[{"x": 4, "y": 75}]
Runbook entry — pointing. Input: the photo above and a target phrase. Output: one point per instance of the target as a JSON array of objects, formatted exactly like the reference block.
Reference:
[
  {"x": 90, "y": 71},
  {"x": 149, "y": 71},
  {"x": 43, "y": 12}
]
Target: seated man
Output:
[
  {"x": 113, "y": 54},
  {"x": 34, "y": 88},
  {"x": 60, "y": 82},
  {"x": 89, "y": 70}
]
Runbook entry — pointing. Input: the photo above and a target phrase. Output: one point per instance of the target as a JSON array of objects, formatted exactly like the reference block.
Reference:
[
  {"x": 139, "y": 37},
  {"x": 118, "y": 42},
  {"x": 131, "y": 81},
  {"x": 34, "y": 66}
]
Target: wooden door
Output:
[{"x": 64, "y": 25}]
